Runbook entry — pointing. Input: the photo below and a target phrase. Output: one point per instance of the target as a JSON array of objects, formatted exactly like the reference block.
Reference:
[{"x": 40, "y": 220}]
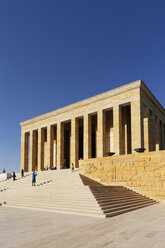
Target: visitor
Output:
[
  {"x": 14, "y": 176},
  {"x": 34, "y": 178},
  {"x": 4, "y": 170},
  {"x": 72, "y": 167},
  {"x": 22, "y": 173}
]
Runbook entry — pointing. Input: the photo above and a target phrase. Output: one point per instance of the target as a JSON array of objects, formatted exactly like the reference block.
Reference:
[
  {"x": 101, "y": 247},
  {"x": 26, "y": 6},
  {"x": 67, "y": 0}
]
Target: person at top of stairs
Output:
[
  {"x": 22, "y": 173},
  {"x": 14, "y": 176}
]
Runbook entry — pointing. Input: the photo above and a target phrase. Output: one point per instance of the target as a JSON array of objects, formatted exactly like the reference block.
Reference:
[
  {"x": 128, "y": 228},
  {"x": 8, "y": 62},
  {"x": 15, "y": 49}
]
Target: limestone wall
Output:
[{"x": 145, "y": 172}]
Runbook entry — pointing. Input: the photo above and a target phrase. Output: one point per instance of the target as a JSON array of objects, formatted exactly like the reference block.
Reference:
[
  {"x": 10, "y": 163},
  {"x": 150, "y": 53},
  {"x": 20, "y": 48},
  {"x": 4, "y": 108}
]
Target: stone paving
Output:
[{"x": 22, "y": 228}]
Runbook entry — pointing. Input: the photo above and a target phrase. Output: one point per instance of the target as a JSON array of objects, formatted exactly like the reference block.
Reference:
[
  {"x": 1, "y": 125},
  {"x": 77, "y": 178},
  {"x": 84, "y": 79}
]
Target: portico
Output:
[{"x": 116, "y": 121}]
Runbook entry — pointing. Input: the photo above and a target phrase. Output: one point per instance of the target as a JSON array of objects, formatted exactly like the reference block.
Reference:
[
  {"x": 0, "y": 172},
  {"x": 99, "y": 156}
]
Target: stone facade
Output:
[
  {"x": 143, "y": 171},
  {"x": 116, "y": 121}
]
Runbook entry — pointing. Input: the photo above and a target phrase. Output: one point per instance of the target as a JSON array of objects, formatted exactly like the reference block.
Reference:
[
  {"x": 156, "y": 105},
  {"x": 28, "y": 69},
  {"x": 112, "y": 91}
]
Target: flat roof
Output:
[{"x": 107, "y": 94}]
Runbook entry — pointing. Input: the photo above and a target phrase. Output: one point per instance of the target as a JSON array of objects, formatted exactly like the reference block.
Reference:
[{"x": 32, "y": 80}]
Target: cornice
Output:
[
  {"x": 152, "y": 98},
  {"x": 102, "y": 96}
]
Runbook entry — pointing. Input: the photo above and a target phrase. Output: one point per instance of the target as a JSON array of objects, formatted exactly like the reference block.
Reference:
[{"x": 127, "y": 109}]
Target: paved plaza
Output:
[{"x": 23, "y": 228}]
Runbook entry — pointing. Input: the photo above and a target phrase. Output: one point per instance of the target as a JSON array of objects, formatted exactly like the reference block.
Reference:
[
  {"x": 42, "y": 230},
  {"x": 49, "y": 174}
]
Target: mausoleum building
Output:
[{"x": 117, "y": 121}]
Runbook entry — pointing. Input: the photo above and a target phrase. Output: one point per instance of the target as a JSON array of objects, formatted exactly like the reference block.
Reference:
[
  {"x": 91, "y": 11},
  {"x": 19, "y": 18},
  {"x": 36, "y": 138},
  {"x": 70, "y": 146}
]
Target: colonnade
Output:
[
  {"x": 120, "y": 129},
  {"x": 153, "y": 130}
]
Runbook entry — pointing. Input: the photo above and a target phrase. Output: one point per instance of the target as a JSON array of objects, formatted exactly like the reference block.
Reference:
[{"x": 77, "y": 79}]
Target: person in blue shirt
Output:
[{"x": 34, "y": 179}]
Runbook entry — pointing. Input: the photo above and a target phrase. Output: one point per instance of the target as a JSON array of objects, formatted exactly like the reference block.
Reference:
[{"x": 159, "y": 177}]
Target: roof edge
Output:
[
  {"x": 115, "y": 91},
  {"x": 151, "y": 95}
]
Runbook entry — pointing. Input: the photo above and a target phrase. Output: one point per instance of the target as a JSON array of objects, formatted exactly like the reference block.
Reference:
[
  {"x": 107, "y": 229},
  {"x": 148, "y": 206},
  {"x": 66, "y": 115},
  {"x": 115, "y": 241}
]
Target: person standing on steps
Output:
[
  {"x": 72, "y": 167},
  {"x": 34, "y": 179},
  {"x": 22, "y": 173},
  {"x": 14, "y": 176}
]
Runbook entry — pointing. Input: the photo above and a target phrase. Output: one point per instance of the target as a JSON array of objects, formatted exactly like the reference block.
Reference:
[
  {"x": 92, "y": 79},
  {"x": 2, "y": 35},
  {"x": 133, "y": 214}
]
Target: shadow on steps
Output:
[{"x": 115, "y": 200}]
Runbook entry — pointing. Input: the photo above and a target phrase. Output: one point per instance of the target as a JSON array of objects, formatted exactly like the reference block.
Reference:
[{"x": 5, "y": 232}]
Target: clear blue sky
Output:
[{"x": 54, "y": 53}]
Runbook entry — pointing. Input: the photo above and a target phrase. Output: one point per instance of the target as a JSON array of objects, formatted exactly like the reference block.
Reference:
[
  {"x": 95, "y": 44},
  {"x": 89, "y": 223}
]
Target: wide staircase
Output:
[
  {"x": 57, "y": 191},
  {"x": 115, "y": 200},
  {"x": 66, "y": 192}
]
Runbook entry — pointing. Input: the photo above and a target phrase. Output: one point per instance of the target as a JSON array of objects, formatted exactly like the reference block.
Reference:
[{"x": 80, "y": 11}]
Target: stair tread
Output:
[{"x": 65, "y": 191}]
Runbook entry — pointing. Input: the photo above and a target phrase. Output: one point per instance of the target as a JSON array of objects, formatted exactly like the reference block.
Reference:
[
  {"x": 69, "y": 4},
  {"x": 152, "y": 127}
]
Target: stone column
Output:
[
  {"x": 87, "y": 138},
  {"x": 146, "y": 128},
  {"x": 161, "y": 135},
  {"x": 55, "y": 153},
  {"x": 49, "y": 147},
  {"x": 35, "y": 149},
  {"x": 136, "y": 125},
  {"x": 117, "y": 128},
  {"x": 100, "y": 133},
  {"x": 60, "y": 145},
  {"x": 163, "y": 128},
  {"x": 40, "y": 149},
  {"x": 74, "y": 143},
  {"x": 125, "y": 131},
  {"x": 152, "y": 135},
  {"x": 24, "y": 151},
  {"x": 32, "y": 152},
  {"x": 157, "y": 132}
]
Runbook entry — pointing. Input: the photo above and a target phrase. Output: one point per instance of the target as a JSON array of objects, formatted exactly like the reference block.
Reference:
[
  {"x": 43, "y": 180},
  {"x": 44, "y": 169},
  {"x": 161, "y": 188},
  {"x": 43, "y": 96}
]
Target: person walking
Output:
[{"x": 34, "y": 179}]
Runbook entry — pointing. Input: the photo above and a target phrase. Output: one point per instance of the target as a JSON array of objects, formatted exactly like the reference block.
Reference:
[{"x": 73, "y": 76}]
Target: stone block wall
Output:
[{"x": 144, "y": 172}]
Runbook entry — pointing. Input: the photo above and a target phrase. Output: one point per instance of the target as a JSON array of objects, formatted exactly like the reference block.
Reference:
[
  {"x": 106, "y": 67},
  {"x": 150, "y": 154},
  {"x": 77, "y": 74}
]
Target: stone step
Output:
[
  {"x": 115, "y": 207},
  {"x": 121, "y": 202},
  {"x": 117, "y": 212},
  {"x": 61, "y": 201},
  {"x": 48, "y": 196},
  {"x": 56, "y": 204},
  {"x": 51, "y": 196},
  {"x": 109, "y": 198},
  {"x": 114, "y": 194},
  {"x": 53, "y": 201},
  {"x": 109, "y": 188},
  {"x": 65, "y": 192},
  {"x": 126, "y": 207},
  {"x": 117, "y": 192},
  {"x": 99, "y": 215},
  {"x": 53, "y": 192},
  {"x": 71, "y": 209}
]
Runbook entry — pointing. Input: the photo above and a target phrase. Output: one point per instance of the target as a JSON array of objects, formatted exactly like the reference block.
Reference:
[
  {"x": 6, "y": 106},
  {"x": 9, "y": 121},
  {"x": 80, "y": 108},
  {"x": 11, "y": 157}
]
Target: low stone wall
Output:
[
  {"x": 144, "y": 172},
  {"x": 5, "y": 176}
]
